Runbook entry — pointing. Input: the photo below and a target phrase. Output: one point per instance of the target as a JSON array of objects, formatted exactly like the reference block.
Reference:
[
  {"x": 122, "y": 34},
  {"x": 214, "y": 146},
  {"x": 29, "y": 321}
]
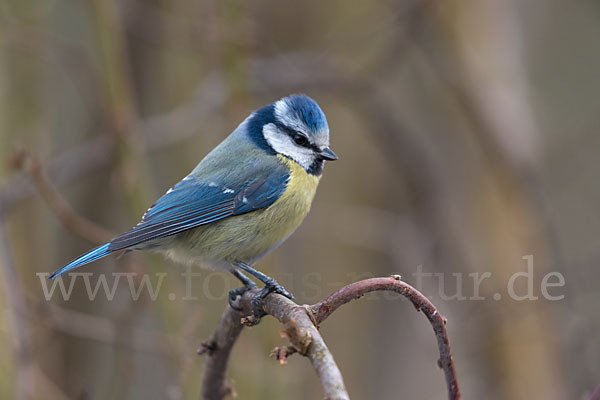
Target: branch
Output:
[
  {"x": 218, "y": 349},
  {"x": 300, "y": 326},
  {"x": 327, "y": 306}
]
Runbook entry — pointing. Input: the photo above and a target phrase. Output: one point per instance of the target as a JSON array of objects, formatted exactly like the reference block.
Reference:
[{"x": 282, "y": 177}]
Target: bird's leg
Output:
[
  {"x": 233, "y": 294},
  {"x": 271, "y": 285}
]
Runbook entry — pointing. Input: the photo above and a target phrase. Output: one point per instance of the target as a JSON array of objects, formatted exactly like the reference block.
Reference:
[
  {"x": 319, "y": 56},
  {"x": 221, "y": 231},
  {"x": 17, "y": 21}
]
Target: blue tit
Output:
[{"x": 242, "y": 200}]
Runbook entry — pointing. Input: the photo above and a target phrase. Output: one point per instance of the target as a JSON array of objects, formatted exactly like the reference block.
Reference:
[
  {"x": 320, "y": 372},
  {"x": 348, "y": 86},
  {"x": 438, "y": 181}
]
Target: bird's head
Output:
[{"x": 294, "y": 127}]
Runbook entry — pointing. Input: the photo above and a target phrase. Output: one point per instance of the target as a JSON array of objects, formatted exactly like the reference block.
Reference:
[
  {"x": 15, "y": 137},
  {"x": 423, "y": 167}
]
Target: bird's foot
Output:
[
  {"x": 238, "y": 292},
  {"x": 272, "y": 286}
]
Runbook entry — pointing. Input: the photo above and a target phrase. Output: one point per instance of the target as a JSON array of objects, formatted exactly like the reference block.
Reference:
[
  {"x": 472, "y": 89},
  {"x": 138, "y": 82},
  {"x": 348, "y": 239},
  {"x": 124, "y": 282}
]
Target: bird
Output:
[{"x": 241, "y": 201}]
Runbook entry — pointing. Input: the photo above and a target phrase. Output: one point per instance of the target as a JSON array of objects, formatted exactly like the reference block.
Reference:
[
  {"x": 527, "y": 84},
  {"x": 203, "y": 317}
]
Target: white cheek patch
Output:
[{"x": 283, "y": 144}]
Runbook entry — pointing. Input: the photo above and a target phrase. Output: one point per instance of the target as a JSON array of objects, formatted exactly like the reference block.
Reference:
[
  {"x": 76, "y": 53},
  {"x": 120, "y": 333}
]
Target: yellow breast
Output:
[
  {"x": 249, "y": 237},
  {"x": 300, "y": 190}
]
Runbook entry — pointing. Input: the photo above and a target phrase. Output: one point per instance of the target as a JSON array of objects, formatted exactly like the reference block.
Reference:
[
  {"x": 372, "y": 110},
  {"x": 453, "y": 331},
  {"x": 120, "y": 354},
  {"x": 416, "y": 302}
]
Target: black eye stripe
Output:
[
  {"x": 291, "y": 133},
  {"x": 287, "y": 130},
  {"x": 305, "y": 142}
]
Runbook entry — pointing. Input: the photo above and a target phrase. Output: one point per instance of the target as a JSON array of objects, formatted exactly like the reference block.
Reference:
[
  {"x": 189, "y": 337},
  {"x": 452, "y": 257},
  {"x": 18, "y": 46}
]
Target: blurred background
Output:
[{"x": 468, "y": 139}]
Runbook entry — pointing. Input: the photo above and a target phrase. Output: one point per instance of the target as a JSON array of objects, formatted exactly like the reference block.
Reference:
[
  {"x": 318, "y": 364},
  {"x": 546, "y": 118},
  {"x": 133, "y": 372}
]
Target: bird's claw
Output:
[
  {"x": 238, "y": 292},
  {"x": 271, "y": 287}
]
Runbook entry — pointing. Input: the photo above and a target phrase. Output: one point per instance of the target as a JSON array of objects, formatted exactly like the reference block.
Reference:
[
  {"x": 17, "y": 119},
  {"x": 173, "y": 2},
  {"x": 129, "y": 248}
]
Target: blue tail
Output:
[{"x": 83, "y": 259}]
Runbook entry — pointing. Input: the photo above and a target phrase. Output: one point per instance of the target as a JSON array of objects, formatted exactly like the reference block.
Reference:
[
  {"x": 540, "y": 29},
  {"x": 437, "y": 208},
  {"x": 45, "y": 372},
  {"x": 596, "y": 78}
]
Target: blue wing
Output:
[{"x": 190, "y": 204}]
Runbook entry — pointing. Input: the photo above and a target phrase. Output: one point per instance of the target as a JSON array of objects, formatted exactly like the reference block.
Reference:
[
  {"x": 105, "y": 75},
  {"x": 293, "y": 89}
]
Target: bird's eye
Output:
[{"x": 300, "y": 139}]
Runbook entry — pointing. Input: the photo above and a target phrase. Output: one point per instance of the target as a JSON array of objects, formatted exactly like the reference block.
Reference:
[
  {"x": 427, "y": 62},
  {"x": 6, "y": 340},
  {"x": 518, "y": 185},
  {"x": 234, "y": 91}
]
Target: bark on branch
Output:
[{"x": 301, "y": 327}]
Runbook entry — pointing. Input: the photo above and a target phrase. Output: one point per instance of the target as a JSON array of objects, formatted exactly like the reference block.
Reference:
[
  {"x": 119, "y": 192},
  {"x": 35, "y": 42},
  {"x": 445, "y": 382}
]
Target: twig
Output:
[
  {"x": 300, "y": 326},
  {"x": 327, "y": 306},
  {"x": 72, "y": 221},
  {"x": 306, "y": 339},
  {"x": 303, "y": 335}
]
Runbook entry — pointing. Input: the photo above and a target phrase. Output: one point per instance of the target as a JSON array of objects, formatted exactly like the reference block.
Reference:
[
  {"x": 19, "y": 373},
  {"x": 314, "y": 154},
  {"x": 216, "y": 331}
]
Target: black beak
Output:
[{"x": 328, "y": 154}]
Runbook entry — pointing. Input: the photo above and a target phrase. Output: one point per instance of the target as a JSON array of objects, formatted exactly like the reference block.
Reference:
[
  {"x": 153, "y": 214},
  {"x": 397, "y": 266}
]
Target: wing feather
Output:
[{"x": 190, "y": 204}]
